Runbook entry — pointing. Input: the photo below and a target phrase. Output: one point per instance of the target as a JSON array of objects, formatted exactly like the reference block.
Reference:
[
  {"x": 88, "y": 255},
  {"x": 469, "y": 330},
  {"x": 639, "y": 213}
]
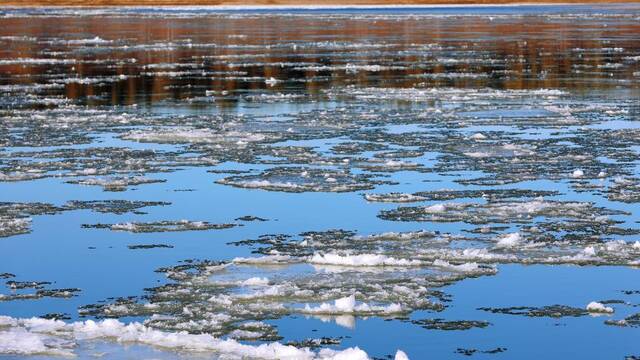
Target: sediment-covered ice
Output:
[
  {"x": 193, "y": 135},
  {"x": 161, "y": 226},
  {"x": 12, "y": 226},
  {"x": 465, "y": 267},
  {"x": 301, "y": 180},
  {"x": 265, "y": 260},
  {"x": 116, "y": 183}
]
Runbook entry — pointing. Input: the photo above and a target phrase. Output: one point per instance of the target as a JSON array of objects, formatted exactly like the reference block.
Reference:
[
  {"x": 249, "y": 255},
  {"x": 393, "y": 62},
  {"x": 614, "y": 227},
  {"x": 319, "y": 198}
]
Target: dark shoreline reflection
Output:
[{"x": 147, "y": 60}]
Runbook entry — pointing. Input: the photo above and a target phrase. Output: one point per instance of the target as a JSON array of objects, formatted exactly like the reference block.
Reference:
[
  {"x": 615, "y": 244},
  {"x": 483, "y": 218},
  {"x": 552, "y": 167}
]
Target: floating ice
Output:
[
  {"x": 466, "y": 267},
  {"x": 256, "y": 281},
  {"x": 394, "y": 198},
  {"x": 162, "y": 226},
  {"x": 36, "y": 61},
  {"x": 509, "y": 240},
  {"x": 400, "y": 355},
  {"x": 624, "y": 190},
  {"x": 478, "y": 136},
  {"x": 10, "y": 227},
  {"x": 348, "y": 305},
  {"x": 552, "y": 311},
  {"x": 361, "y": 260},
  {"x": 193, "y": 135},
  {"x": 265, "y": 260},
  {"x": 596, "y": 307},
  {"x": 450, "y": 325},
  {"x": 301, "y": 180},
  {"x": 53, "y": 337},
  {"x": 116, "y": 183},
  {"x": 271, "y": 81}
]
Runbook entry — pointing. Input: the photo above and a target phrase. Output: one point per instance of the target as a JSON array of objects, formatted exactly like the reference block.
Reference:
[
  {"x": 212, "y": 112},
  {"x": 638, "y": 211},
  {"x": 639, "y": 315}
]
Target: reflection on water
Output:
[
  {"x": 298, "y": 183},
  {"x": 118, "y": 59}
]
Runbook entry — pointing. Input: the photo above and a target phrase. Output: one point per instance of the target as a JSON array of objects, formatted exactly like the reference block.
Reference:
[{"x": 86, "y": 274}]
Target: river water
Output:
[{"x": 449, "y": 182}]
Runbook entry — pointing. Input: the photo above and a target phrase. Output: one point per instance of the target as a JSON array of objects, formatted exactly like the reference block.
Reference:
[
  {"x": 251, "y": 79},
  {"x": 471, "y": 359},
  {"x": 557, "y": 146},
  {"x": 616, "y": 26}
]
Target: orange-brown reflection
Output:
[{"x": 513, "y": 53}]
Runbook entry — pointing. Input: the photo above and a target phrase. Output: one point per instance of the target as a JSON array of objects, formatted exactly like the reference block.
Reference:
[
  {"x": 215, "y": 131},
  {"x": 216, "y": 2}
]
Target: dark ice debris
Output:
[
  {"x": 442, "y": 324},
  {"x": 553, "y": 311},
  {"x": 150, "y": 246}
]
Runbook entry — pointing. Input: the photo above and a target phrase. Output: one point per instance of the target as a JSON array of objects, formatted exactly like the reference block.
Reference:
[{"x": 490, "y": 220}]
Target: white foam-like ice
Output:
[
  {"x": 361, "y": 260},
  {"x": 597, "y": 307},
  {"x": 265, "y": 260},
  {"x": 466, "y": 267},
  {"x": 395, "y": 236},
  {"x": 401, "y": 355},
  {"x": 53, "y": 337},
  {"x": 348, "y": 305},
  {"x": 577, "y": 174},
  {"x": 193, "y": 135},
  {"x": 256, "y": 281}
]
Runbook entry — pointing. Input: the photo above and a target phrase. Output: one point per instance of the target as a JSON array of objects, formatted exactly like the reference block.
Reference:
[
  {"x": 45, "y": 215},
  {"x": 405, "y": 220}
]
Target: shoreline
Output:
[{"x": 289, "y": 4}]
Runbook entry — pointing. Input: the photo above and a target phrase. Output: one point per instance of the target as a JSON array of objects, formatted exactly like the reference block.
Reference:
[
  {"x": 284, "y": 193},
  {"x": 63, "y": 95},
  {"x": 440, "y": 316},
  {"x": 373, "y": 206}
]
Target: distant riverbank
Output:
[{"x": 288, "y": 3}]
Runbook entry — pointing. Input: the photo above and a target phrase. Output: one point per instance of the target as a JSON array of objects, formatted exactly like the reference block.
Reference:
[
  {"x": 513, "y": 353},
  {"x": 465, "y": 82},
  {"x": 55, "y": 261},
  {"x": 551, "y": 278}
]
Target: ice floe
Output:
[{"x": 53, "y": 337}]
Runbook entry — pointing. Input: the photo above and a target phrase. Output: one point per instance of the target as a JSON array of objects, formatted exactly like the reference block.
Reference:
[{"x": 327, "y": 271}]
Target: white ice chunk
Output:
[
  {"x": 478, "y": 136},
  {"x": 466, "y": 267},
  {"x": 596, "y": 307},
  {"x": 577, "y": 173},
  {"x": 509, "y": 240},
  {"x": 53, "y": 337},
  {"x": 271, "y": 81},
  {"x": 361, "y": 260},
  {"x": 401, "y": 355},
  {"x": 256, "y": 281},
  {"x": 348, "y": 305}
]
